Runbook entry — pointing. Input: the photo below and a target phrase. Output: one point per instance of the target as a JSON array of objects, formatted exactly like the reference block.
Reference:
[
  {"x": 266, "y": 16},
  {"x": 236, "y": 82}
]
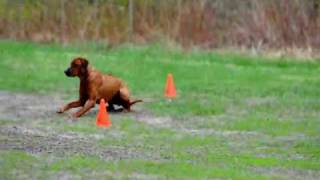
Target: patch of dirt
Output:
[
  {"x": 19, "y": 106},
  {"x": 36, "y": 141},
  {"x": 30, "y": 137},
  {"x": 206, "y": 132},
  {"x": 16, "y": 106},
  {"x": 256, "y": 101},
  {"x": 286, "y": 142},
  {"x": 288, "y": 173},
  {"x": 149, "y": 119}
]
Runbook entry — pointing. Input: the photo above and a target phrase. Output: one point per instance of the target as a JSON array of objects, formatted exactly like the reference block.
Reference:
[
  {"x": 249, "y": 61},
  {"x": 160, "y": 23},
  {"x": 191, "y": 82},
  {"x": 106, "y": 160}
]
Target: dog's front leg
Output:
[
  {"x": 88, "y": 105},
  {"x": 70, "y": 105}
]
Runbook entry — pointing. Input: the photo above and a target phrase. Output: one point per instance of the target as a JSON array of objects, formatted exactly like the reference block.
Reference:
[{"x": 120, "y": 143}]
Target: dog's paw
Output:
[{"x": 60, "y": 110}]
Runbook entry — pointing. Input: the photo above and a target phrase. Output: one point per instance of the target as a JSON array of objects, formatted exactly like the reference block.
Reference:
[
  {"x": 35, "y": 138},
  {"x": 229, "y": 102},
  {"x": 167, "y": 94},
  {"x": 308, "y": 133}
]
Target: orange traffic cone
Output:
[
  {"x": 170, "y": 91},
  {"x": 102, "y": 116}
]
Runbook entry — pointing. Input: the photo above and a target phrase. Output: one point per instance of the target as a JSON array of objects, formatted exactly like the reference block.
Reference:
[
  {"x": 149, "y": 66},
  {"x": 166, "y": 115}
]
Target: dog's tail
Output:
[{"x": 135, "y": 101}]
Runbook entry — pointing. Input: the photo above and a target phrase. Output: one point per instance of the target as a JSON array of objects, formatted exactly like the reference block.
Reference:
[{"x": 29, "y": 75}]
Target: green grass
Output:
[
  {"x": 15, "y": 164},
  {"x": 207, "y": 82},
  {"x": 234, "y": 113}
]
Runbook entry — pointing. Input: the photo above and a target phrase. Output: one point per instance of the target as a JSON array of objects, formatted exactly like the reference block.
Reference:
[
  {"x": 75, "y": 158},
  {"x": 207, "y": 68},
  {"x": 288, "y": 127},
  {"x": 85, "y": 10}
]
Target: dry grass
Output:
[{"x": 205, "y": 23}]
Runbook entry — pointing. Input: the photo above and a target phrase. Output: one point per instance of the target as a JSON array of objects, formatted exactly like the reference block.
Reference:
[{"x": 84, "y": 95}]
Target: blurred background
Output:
[{"x": 209, "y": 24}]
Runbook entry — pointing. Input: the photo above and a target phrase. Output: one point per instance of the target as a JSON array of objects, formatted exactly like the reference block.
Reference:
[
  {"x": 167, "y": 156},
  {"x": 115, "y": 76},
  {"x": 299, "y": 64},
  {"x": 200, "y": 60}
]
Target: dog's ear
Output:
[{"x": 84, "y": 65}]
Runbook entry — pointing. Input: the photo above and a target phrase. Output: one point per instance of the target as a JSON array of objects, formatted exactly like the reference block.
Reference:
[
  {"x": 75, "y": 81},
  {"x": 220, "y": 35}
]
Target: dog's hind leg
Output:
[
  {"x": 116, "y": 100},
  {"x": 110, "y": 107},
  {"x": 124, "y": 99}
]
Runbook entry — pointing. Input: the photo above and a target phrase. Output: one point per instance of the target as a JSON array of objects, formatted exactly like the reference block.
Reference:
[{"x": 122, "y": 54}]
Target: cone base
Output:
[{"x": 103, "y": 125}]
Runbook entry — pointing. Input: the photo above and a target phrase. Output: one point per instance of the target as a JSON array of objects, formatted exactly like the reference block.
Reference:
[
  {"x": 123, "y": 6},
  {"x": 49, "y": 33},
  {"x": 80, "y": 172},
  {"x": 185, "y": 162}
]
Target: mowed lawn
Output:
[{"x": 236, "y": 116}]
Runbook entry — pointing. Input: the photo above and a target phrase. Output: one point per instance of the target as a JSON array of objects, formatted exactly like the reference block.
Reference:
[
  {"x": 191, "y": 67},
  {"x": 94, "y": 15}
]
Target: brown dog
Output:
[{"x": 95, "y": 86}]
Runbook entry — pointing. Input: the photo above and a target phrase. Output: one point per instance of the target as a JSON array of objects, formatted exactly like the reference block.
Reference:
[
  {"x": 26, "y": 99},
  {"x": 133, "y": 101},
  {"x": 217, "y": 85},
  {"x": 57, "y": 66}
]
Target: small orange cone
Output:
[
  {"x": 103, "y": 116},
  {"x": 170, "y": 91}
]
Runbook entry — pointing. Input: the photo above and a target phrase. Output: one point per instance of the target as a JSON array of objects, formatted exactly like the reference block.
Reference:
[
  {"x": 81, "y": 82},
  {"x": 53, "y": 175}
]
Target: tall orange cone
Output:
[
  {"x": 103, "y": 116},
  {"x": 170, "y": 90}
]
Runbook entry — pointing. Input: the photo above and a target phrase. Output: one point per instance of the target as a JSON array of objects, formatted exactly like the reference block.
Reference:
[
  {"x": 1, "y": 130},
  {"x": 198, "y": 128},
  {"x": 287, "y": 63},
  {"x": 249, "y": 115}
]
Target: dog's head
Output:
[{"x": 78, "y": 67}]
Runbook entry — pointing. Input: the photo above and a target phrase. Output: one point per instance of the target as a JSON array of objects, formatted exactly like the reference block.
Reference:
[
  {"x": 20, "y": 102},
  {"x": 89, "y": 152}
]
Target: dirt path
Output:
[
  {"x": 36, "y": 141},
  {"x": 17, "y": 106},
  {"x": 25, "y": 111}
]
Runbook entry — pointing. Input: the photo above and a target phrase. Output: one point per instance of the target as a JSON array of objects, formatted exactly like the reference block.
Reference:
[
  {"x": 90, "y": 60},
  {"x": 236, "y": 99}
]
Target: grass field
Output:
[{"x": 236, "y": 116}]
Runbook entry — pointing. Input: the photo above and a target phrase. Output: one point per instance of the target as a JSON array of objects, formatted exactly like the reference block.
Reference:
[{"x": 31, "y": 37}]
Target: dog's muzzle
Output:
[{"x": 67, "y": 72}]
